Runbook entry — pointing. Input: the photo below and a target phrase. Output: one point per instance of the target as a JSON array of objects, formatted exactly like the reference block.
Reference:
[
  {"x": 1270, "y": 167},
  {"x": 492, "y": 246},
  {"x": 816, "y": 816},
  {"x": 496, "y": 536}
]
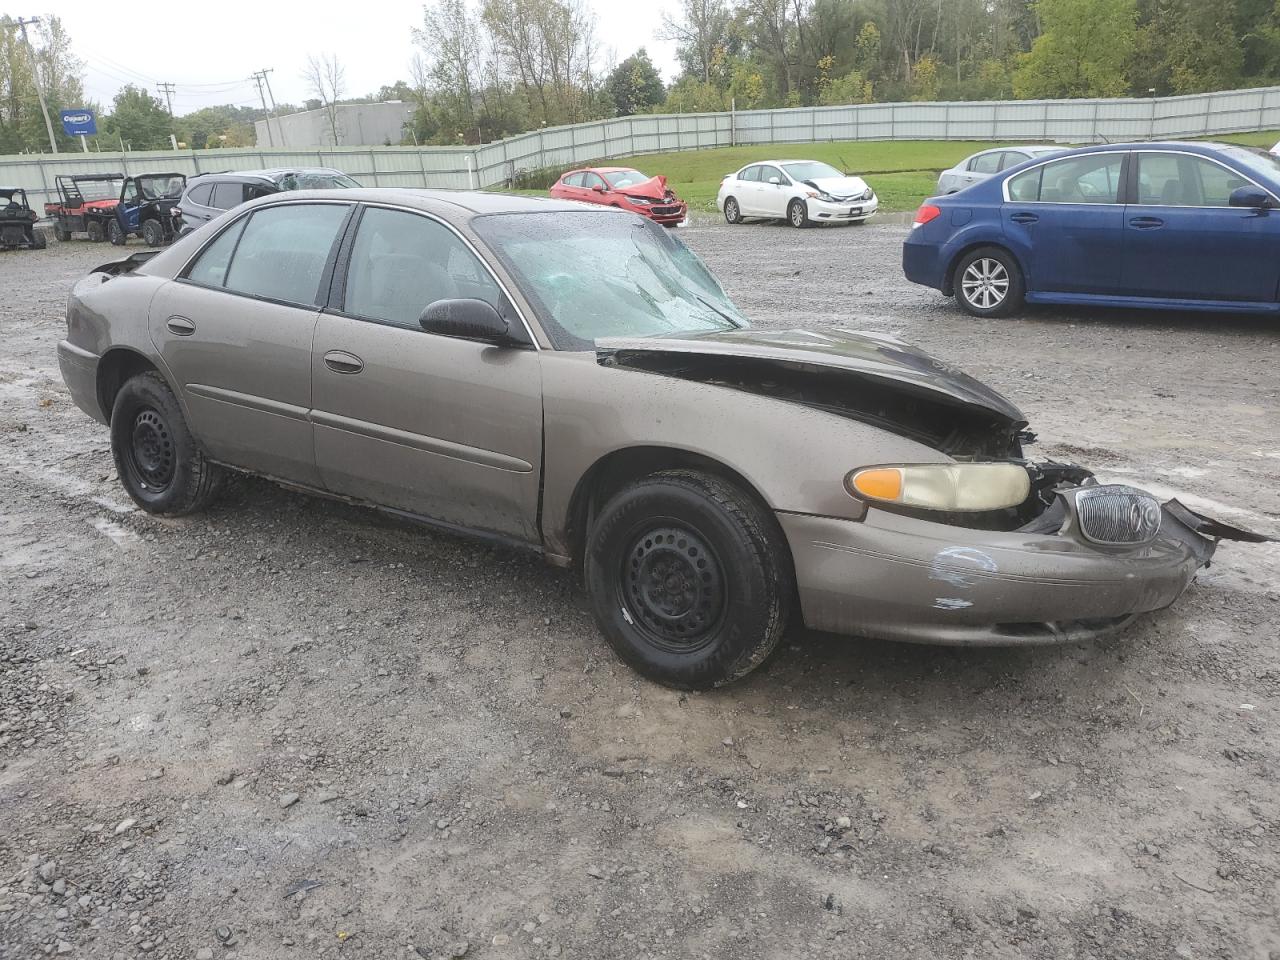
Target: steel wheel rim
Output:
[
  {"x": 985, "y": 283},
  {"x": 150, "y": 456},
  {"x": 673, "y": 587}
]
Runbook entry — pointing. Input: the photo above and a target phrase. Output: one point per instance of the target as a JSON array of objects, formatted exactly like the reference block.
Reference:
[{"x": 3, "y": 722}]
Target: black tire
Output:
[
  {"x": 988, "y": 283},
  {"x": 116, "y": 234},
  {"x": 152, "y": 233},
  {"x": 690, "y": 579},
  {"x": 94, "y": 229},
  {"x": 798, "y": 214},
  {"x": 62, "y": 234},
  {"x": 732, "y": 212},
  {"x": 157, "y": 458},
  {"x": 38, "y": 239}
]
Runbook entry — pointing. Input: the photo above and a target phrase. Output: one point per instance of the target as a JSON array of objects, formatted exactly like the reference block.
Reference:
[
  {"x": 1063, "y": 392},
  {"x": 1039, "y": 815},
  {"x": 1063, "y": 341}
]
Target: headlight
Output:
[
  {"x": 944, "y": 486},
  {"x": 868, "y": 194},
  {"x": 640, "y": 201}
]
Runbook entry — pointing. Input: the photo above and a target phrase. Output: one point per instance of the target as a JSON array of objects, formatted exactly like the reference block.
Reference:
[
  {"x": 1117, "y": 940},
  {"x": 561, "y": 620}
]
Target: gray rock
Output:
[
  {"x": 287, "y": 800},
  {"x": 459, "y": 949},
  {"x": 204, "y": 953},
  {"x": 124, "y": 825},
  {"x": 48, "y": 871}
]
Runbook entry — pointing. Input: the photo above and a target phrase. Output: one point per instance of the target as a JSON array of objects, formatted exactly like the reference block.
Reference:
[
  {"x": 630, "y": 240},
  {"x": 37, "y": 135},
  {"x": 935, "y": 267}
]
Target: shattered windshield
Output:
[
  {"x": 811, "y": 170},
  {"x": 625, "y": 178},
  {"x": 596, "y": 275},
  {"x": 317, "y": 180}
]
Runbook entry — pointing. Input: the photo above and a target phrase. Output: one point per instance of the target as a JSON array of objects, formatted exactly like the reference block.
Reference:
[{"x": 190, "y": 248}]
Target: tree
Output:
[
  {"x": 701, "y": 34},
  {"x": 635, "y": 85},
  {"x": 327, "y": 80},
  {"x": 1084, "y": 50},
  {"x": 139, "y": 120},
  {"x": 21, "y": 120}
]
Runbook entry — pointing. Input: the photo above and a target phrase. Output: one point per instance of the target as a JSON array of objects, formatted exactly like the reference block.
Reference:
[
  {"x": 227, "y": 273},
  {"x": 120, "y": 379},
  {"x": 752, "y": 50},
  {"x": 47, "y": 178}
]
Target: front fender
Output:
[{"x": 794, "y": 457}]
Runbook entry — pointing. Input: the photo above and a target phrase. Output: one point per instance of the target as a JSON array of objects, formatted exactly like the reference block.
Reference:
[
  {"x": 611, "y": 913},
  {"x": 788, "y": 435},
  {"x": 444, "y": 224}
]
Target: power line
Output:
[{"x": 168, "y": 95}]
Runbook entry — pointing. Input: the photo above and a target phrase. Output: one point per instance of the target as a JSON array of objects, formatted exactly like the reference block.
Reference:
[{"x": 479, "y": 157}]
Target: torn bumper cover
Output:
[{"x": 903, "y": 578}]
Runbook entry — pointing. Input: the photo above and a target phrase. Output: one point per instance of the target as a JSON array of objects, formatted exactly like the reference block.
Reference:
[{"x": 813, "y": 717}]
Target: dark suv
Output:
[{"x": 209, "y": 195}]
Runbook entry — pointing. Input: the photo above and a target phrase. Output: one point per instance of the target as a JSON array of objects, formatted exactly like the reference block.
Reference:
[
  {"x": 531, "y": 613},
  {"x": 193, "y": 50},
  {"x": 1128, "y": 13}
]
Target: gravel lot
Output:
[{"x": 289, "y": 728}]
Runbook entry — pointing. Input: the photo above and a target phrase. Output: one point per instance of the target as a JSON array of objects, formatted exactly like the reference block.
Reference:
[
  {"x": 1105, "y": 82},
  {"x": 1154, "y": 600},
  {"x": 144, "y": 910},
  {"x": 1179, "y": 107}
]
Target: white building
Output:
[{"x": 358, "y": 124}]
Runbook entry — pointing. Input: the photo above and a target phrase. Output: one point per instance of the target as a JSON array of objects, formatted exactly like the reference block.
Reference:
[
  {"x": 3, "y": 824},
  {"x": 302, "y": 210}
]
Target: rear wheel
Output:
[
  {"x": 159, "y": 463},
  {"x": 153, "y": 233},
  {"x": 95, "y": 232},
  {"x": 732, "y": 214},
  {"x": 62, "y": 233},
  {"x": 115, "y": 233},
  {"x": 988, "y": 282},
  {"x": 689, "y": 579},
  {"x": 798, "y": 213},
  {"x": 38, "y": 240}
]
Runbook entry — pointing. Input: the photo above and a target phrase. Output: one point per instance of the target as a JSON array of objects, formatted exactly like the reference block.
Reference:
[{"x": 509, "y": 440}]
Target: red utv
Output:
[{"x": 86, "y": 204}]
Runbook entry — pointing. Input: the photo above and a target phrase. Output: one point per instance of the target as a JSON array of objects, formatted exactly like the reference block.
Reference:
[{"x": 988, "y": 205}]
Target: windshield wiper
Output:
[{"x": 712, "y": 307}]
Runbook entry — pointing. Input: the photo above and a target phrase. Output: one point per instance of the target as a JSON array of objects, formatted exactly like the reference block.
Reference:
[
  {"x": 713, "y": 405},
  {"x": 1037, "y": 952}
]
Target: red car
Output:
[{"x": 625, "y": 188}]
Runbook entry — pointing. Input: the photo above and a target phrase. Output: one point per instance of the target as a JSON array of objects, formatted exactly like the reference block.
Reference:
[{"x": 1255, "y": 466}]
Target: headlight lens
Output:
[
  {"x": 868, "y": 194},
  {"x": 953, "y": 487}
]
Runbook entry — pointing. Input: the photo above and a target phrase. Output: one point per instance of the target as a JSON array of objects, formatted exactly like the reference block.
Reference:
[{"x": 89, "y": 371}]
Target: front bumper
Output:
[
  {"x": 665, "y": 213},
  {"x": 844, "y": 211},
  {"x": 903, "y": 578},
  {"x": 80, "y": 373}
]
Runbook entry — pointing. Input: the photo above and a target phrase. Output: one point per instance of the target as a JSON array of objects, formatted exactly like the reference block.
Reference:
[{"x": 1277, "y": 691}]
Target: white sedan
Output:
[
  {"x": 986, "y": 164},
  {"x": 798, "y": 191}
]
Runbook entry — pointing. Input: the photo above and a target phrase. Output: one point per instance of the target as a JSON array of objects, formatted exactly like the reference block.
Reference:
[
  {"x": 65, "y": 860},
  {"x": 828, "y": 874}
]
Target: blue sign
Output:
[{"x": 77, "y": 123}]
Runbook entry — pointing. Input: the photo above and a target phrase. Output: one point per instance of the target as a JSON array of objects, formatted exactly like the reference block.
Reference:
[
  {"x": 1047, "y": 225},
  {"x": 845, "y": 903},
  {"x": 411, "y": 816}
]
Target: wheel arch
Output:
[
  {"x": 615, "y": 469},
  {"x": 949, "y": 278},
  {"x": 117, "y": 366}
]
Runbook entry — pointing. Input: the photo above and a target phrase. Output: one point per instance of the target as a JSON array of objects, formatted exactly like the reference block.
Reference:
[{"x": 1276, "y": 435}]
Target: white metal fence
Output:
[{"x": 491, "y": 164}]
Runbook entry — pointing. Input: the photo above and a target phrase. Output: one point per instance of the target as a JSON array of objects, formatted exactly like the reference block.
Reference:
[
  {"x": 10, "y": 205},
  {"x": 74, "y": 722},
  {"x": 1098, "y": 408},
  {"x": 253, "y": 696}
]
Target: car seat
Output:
[{"x": 398, "y": 287}]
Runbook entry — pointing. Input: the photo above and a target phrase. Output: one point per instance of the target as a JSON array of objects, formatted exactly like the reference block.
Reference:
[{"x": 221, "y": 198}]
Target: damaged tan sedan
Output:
[{"x": 577, "y": 382}]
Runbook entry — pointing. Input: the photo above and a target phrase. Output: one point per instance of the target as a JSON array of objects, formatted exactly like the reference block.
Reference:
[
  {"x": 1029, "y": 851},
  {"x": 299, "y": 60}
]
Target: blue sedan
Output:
[{"x": 1184, "y": 226}]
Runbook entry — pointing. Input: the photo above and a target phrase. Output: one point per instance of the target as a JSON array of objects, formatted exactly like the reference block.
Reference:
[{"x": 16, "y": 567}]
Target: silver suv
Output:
[{"x": 209, "y": 195}]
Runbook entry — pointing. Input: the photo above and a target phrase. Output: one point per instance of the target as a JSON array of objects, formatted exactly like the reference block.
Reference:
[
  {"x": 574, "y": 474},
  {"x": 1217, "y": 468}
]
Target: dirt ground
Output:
[{"x": 289, "y": 728}]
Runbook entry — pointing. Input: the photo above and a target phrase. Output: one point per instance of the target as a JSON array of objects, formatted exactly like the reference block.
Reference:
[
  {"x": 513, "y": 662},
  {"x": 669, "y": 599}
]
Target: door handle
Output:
[
  {"x": 339, "y": 361},
  {"x": 1146, "y": 223},
  {"x": 180, "y": 326},
  {"x": 1024, "y": 218}
]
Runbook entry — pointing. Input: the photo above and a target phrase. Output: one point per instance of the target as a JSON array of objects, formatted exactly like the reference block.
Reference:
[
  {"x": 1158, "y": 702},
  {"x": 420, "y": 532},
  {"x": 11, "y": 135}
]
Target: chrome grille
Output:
[{"x": 1117, "y": 514}]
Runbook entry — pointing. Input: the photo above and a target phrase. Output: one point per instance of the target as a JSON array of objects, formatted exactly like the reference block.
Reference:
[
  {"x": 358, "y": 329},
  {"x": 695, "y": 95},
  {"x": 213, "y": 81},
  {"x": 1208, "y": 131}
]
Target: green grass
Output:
[{"x": 902, "y": 172}]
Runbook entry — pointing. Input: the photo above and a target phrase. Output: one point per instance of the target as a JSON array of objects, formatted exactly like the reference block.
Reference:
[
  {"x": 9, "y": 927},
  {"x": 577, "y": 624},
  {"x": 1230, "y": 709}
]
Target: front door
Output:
[
  {"x": 773, "y": 196},
  {"x": 1184, "y": 240},
  {"x": 440, "y": 427},
  {"x": 235, "y": 333},
  {"x": 1065, "y": 224}
]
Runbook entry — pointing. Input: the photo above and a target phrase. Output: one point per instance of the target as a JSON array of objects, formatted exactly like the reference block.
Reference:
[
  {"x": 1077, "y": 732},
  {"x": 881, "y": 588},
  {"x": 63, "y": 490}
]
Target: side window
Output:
[
  {"x": 1177, "y": 180},
  {"x": 131, "y": 191},
  {"x": 1025, "y": 187},
  {"x": 200, "y": 195},
  {"x": 592, "y": 180},
  {"x": 227, "y": 195},
  {"x": 255, "y": 191},
  {"x": 573, "y": 180},
  {"x": 210, "y": 267},
  {"x": 1011, "y": 158},
  {"x": 768, "y": 173},
  {"x": 751, "y": 175},
  {"x": 1092, "y": 178},
  {"x": 402, "y": 262},
  {"x": 283, "y": 251},
  {"x": 985, "y": 163}
]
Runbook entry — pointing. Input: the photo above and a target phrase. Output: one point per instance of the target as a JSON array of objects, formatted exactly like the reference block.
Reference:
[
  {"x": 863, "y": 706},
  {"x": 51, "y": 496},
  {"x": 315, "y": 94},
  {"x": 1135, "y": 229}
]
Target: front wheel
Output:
[
  {"x": 38, "y": 240},
  {"x": 988, "y": 283},
  {"x": 95, "y": 231},
  {"x": 690, "y": 579},
  {"x": 732, "y": 213},
  {"x": 798, "y": 214},
  {"x": 115, "y": 233},
  {"x": 158, "y": 461},
  {"x": 152, "y": 233}
]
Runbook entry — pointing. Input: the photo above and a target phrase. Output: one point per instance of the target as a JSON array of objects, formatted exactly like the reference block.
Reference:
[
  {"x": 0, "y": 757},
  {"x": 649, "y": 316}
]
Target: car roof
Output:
[
  {"x": 274, "y": 174},
  {"x": 451, "y": 204}
]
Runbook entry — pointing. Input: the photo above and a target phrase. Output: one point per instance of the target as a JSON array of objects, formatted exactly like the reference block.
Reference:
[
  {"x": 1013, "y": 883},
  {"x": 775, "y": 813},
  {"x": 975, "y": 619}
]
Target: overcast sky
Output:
[{"x": 209, "y": 50}]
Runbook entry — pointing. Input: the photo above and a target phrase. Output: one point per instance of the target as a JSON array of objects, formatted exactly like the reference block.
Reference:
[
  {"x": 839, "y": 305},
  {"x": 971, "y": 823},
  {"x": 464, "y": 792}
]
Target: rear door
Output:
[
  {"x": 1065, "y": 223},
  {"x": 747, "y": 191},
  {"x": 235, "y": 331},
  {"x": 1184, "y": 240},
  {"x": 437, "y": 426}
]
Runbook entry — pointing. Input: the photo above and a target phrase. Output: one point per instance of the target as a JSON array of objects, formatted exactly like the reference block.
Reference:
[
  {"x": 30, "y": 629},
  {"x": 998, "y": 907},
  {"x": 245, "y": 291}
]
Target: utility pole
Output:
[
  {"x": 35, "y": 76},
  {"x": 167, "y": 90},
  {"x": 260, "y": 79},
  {"x": 267, "y": 80}
]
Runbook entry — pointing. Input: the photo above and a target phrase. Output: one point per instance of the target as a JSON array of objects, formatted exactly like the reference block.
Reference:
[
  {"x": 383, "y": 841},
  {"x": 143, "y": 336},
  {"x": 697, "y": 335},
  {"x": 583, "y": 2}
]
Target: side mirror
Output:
[
  {"x": 597, "y": 188},
  {"x": 466, "y": 320},
  {"x": 775, "y": 181},
  {"x": 1250, "y": 196}
]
